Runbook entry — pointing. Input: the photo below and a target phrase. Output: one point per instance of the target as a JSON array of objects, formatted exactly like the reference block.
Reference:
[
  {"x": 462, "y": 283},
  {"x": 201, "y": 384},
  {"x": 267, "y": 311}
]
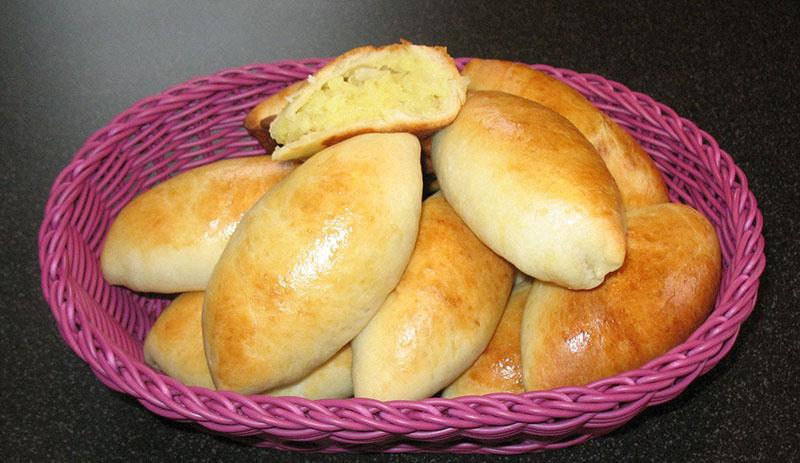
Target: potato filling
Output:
[{"x": 372, "y": 90}]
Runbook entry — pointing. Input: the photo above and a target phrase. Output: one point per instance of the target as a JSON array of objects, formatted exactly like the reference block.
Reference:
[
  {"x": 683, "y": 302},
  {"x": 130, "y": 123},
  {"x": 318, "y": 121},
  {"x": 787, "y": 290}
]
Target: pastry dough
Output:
[{"x": 261, "y": 116}]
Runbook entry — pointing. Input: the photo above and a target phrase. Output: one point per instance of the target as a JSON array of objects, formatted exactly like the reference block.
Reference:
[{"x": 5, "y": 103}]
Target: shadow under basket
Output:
[{"x": 200, "y": 121}]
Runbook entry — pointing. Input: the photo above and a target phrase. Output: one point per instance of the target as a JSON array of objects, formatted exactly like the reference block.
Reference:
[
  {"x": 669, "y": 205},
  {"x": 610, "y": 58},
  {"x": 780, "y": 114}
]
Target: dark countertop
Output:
[{"x": 69, "y": 67}]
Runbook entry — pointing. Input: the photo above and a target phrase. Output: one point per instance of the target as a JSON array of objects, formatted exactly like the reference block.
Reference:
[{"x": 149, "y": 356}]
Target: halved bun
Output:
[
  {"x": 395, "y": 88},
  {"x": 259, "y": 118}
]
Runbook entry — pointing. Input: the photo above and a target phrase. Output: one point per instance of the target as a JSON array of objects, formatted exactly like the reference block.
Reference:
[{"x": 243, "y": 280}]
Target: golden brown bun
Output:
[
  {"x": 532, "y": 188},
  {"x": 499, "y": 367},
  {"x": 261, "y": 116},
  {"x": 439, "y": 317},
  {"x": 168, "y": 239},
  {"x": 663, "y": 292},
  {"x": 360, "y": 88},
  {"x": 331, "y": 380},
  {"x": 174, "y": 345},
  {"x": 312, "y": 261},
  {"x": 637, "y": 177}
]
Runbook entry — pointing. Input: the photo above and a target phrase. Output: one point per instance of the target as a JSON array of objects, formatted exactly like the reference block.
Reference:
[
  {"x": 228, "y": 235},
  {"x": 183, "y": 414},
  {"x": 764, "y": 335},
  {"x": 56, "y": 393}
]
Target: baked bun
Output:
[
  {"x": 396, "y": 88},
  {"x": 662, "y": 293},
  {"x": 331, "y": 380},
  {"x": 311, "y": 262},
  {"x": 532, "y": 188},
  {"x": 636, "y": 175},
  {"x": 174, "y": 345},
  {"x": 499, "y": 367},
  {"x": 261, "y": 116},
  {"x": 168, "y": 239},
  {"x": 440, "y": 316}
]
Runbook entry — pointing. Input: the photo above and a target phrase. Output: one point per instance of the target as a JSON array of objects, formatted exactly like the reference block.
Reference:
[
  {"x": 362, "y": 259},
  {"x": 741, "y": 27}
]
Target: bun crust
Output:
[
  {"x": 312, "y": 261},
  {"x": 331, "y": 380},
  {"x": 499, "y": 367},
  {"x": 168, "y": 239},
  {"x": 174, "y": 345},
  {"x": 440, "y": 316},
  {"x": 532, "y": 188},
  {"x": 636, "y": 175},
  {"x": 662, "y": 293}
]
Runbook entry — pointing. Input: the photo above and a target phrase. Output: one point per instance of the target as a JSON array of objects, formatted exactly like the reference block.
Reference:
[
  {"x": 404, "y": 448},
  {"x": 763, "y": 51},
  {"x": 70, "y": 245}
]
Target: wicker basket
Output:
[{"x": 200, "y": 121}]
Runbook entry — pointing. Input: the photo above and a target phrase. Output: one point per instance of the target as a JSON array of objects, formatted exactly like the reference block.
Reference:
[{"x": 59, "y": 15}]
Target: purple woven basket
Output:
[{"x": 200, "y": 121}]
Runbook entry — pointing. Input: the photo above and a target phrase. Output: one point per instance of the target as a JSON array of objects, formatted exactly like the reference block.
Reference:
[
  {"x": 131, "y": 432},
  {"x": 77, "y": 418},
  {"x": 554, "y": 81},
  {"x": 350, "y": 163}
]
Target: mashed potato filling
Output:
[{"x": 391, "y": 84}]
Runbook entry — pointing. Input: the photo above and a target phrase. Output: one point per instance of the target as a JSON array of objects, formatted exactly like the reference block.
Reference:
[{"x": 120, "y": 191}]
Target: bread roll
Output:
[
  {"x": 662, "y": 293},
  {"x": 331, "y": 380},
  {"x": 532, "y": 188},
  {"x": 499, "y": 367},
  {"x": 637, "y": 177},
  {"x": 168, "y": 239},
  {"x": 440, "y": 316},
  {"x": 259, "y": 118},
  {"x": 174, "y": 345},
  {"x": 396, "y": 88},
  {"x": 312, "y": 261}
]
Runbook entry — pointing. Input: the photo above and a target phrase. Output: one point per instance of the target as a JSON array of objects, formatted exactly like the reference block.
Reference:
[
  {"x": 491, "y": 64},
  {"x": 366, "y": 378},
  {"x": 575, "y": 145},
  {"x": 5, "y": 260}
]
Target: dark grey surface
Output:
[{"x": 68, "y": 67}]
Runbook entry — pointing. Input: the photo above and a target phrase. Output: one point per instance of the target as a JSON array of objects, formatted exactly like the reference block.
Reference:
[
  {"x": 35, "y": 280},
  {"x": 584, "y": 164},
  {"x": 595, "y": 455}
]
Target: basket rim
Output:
[{"x": 542, "y": 412}]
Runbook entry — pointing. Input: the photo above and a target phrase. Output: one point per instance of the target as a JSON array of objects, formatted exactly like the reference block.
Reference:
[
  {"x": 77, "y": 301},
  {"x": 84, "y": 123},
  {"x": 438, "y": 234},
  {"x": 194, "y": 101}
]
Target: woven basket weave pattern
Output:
[{"x": 200, "y": 121}]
